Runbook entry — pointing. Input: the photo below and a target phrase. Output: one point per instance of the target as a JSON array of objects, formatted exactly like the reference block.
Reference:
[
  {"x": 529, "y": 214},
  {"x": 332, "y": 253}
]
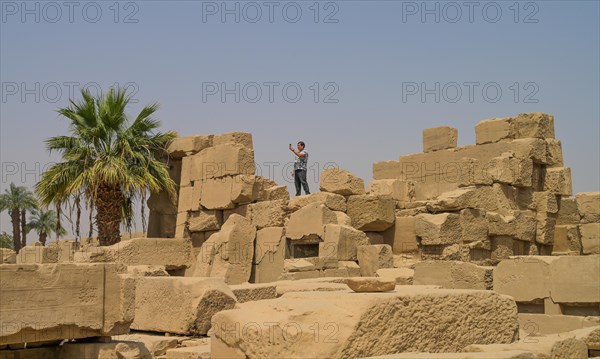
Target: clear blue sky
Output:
[{"x": 364, "y": 56}]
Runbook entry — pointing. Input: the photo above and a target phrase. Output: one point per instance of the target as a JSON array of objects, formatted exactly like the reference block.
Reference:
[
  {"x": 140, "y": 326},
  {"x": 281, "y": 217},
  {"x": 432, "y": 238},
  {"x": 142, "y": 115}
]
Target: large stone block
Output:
[
  {"x": 269, "y": 254},
  {"x": 395, "y": 188},
  {"x": 37, "y": 254},
  {"x": 534, "y": 125},
  {"x": 364, "y": 324},
  {"x": 334, "y": 202},
  {"x": 555, "y": 155},
  {"x": 63, "y": 301},
  {"x": 189, "y": 145},
  {"x": 436, "y": 229},
  {"x": 268, "y": 213},
  {"x": 340, "y": 242},
  {"x": 217, "y": 193},
  {"x": 544, "y": 233},
  {"x": 540, "y": 324},
  {"x": 439, "y": 138},
  {"x": 228, "y": 253},
  {"x": 371, "y": 258},
  {"x": 243, "y": 189},
  {"x": 526, "y": 279},
  {"x": 453, "y": 275},
  {"x": 566, "y": 240},
  {"x": 545, "y": 202},
  {"x": 588, "y": 206},
  {"x": 590, "y": 238},
  {"x": 162, "y": 202},
  {"x": 520, "y": 225},
  {"x": 173, "y": 253},
  {"x": 205, "y": 220},
  {"x": 337, "y": 180},
  {"x": 386, "y": 170},
  {"x": 309, "y": 222},
  {"x": 567, "y": 211},
  {"x": 499, "y": 198},
  {"x": 226, "y": 159},
  {"x": 558, "y": 180},
  {"x": 402, "y": 236},
  {"x": 371, "y": 213},
  {"x": 181, "y": 305},
  {"x": 494, "y": 130},
  {"x": 510, "y": 169},
  {"x": 474, "y": 225},
  {"x": 240, "y": 138},
  {"x": 575, "y": 279}
]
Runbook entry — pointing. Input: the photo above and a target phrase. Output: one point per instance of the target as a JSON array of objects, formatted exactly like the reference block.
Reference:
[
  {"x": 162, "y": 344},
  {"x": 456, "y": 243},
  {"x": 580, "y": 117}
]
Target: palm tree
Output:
[
  {"x": 107, "y": 159},
  {"x": 18, "y": 200},
  {"x": 6, "y": 241},
  {"x": 44, "y": 222}
]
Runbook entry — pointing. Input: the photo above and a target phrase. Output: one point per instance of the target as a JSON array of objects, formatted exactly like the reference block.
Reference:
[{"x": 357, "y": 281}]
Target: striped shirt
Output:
[{"x": 300, "y": 162}]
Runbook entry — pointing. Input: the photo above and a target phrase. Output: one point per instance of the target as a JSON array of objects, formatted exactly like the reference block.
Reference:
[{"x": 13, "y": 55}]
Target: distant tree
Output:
[
  {"x": 18, "y": 200},
  {"x": 6, "y": 241},
  {"x": 44, "y": 223}
]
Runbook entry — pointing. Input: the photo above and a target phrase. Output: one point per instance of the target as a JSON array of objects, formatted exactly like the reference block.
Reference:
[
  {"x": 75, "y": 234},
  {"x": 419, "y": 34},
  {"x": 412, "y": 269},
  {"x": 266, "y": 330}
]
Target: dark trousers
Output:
[{"x": 300, "y": 180}]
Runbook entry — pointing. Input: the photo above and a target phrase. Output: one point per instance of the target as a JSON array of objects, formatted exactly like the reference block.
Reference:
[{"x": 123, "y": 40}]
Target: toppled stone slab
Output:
[
  {"x": 181, "y": 305},
  {"x": 371, "y": 213},
  {"x": 371, "y": 284},
  {"x": 268, "y": 213},
  {"x": 63, "y": 301},
  {"x": 541, "y": 324},
  {"x": 269, "y": 255},
  {"x": 588, "y": 206},
  {"x": 402, "y": 276},
  {"x": 453, "y": 275},
  {"x": 435, "y": 229},
  {"x": 373, "y": 257},
  {"x": 173, "y": 253},
  {"x": 337, "y": 180},
  {"x": 365, "y": 324},
  {"x": 250, "y": 292},
  {"x": 439, "y": 138},
  {"x": 334, "y": 202},
  {"x": 340, "y": 242},
  {"x": 228, "y": 253}
]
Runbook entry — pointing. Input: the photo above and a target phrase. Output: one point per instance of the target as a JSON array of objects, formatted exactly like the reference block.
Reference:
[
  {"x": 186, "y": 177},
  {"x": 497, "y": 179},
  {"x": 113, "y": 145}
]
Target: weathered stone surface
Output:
[
  {"x": 163, "y": 203},
  {"x": 250, "y": 292},
  {"x": 474, "y": 225},
  {"x": 242, "y": 189},
  {"x": 590, "y": 238},
  {"x": 351, "y": 267},
  {"x": 534, "y": 125},
  {"x": 374, "y": 257},
  {"x": 217, "y": 193},
  {"x": 366, "y": 324},
  {"x": 508, "y": 354},
  {"x": 269, "y": 253},
  {"x": 453, "y": 275},
  {"x": 342, "y": 218},
  {"x": 240, "y": 138},
  {"x": 540, "y": 324},
  {"x": 189, "y": 145},
  {"x": 7, "y": 256},
  {"x": 310, "y": 221},
  {"x": 268, "y": 213},
  {"x": 340, "y": 242},
  {"x": 544, "y": 233},
  {"x": 371, "y": 213},
  {"x": 575, "y": 279},
  {"x": 509, "y": 169},
  {"x": 567, "y": 211},
  {"x": 550, "y": 346},
  {"x": 371, "y": 284},
  {"x": 181, "y": 305},
  {"x": 545, "y": 202},
  {"x": 114, "y": 349},
  {"x": 193, "y": 352},
  {"x": 228, "y": 253},
  {"x": 499, "y": 198},
  {"x": 402, "y": 235},
  {"x": 309, "y": 274},
  {"x": 334, "y": 202},
  {"x": 205, "y": 220},
  {"x": 394, "y": 188},
  {"x": 402, "y": 276},
  {"x": 376, "y": 237},
  {"x": 526, "y": 279},
  {"x": 439, "y": 138},
  {"x": 298, "y": 265},
  {"x": 277, "y": 193},
  {"x": 518, "y": 224},
  {"x": 156, "y": 345},
  {"x": 37, "y": 254},
  {"x": 173, "y": 253},
  {"x": 147, "y": 271},
  {"x": 494, "y": 130},
  {"x": 226, "y": 159},
  {"x": 63, "y": 301},
  {"x": 435, "y": 229},
  {"x": 558, "y": 180},
  {"x": 555, "y": 155},
  {"x": 261, "y": 187},
  {"x": 588, "y": 206},
  {"x": 566, "y": 240},
  {"x": 386, "y": 170},
  {"x": 337, "y": 180}
]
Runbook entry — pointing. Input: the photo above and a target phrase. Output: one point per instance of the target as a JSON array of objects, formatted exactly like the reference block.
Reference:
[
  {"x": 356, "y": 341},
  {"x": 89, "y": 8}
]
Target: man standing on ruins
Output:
[{"x": 300, "y": 168}]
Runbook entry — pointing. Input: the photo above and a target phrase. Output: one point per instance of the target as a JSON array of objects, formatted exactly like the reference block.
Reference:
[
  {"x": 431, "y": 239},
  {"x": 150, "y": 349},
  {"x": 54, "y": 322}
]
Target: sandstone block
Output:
[
  {"x": 540, "y": 324},
  {"x": 226, "y": 159},
  {"x": 402, "y": 235},
  {"x": 251, "y": 292},
  {"x": 386, "y": 170},
  {"x": 435, "y": 229},
  {"x": 453, "y": 275},
  {"x": 340, "y": 242},
  {"x": 494, "y": 130},
  {"x": 509, "y": 169},
  {"x": 566, "y": 240},
  {"x": 311, "y": 274},
  {"x": 555, "y": 155},
  {"x": 261, "y": 186},
  {"x": 181, "y": 305},
  {"x": 334, "y": 202},
  {"x": 113, "y": 349},
  {"x": 544, "y": 233},
  {"x": 242, "y": 189},
  {"x": 269, "y": 254},
  {"x": 298, "y": 265},
  {"x": 590, "y": 238},
  {"x": 217, "y": 193},
  {"x": 526, "y": 279},
  {"x": 534, "y": 125},
  {"x": 545, "y": 202},
  {"x": 376, "y": 237},
  {"x": 474, "y": 225},
  {"x": 156, "y": 345},
  {"x": 371, "y": 284},
  {"x": 342, "y": 218},
  {"x": 558, "y": 180},
  {"x": 63, "y": 301},
  {"x": 164, "y": 203},
  {"x": 394, "y": 188},
  {"x": 7, "y": 256},
  {"x": 365, "y": 324},
  {"x": 518, "y": 224},
  {"x": 371, "y": 213},
  {"x": 205, "y": 220},
  {"x": 575, "y": 279},
  {"x": 439, "y": 138},
  {"x": 268, "y": 213},
  {"x": 162, "y": 225},
  {"x": 351, "y": 267},
  {"x": 342, "y": 182},
  {"x": 190, "y": 145},
  {"x": 228, "y": 253},
  {"x": 567, "y": 211},
  {"x": 374, "y": 257},
  {"x": 240, "y": 138},
  {"x": 37, "y": 254},
  {"x": 588, "y": 206},
  {"x": 310, "y": 221},
  {"x": 402, "y": 276},
  {"x": 147, "y": 271},
  {"x": 277, "y": 193}
]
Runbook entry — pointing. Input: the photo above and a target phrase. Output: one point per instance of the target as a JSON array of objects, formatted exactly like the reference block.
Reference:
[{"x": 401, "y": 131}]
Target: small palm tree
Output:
[
  {"x": 18, "y": 200},
  {"x": 107, "y": 159},
  {"x": 45, "y": 222},
  {"x": 6, "y": 241}
]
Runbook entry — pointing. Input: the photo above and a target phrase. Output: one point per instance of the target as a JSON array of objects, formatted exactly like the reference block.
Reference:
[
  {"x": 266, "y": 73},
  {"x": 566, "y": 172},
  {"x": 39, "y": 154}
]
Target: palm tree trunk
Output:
[
  {"x": 43, "y": 237},
  {"x": 109, "y": 214},
  {"x": 23, "y": 228},
  {"x": 15, "y": 218}
]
